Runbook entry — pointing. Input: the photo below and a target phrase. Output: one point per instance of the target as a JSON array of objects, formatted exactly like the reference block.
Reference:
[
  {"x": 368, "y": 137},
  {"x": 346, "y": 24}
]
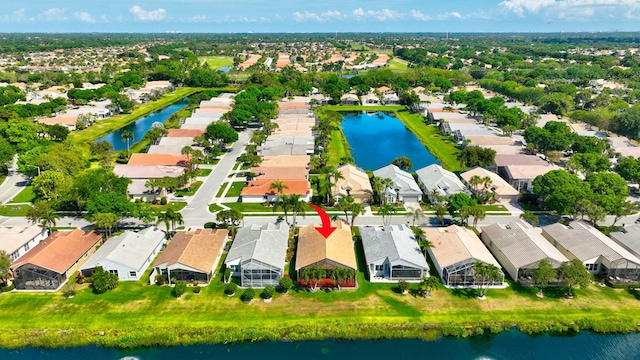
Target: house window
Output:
[
  {"x": 85, "y": 255},
  {"x": 379, "y": 267},
  {"x": 26, "y": 247},
  {"x": 114, "y": 272},
  {"x": 133, "y": 274},
  {"x": 591, "y": 267}
]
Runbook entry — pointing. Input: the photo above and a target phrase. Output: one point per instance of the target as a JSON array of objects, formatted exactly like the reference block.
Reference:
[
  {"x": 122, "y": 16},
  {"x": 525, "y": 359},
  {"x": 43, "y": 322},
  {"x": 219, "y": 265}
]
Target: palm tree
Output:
[
  {"x": 279, "y": 186},
  {"x": 478, "y": 213},
  {"x": 40, "y": 212},
  {"x": 176, "y": 219},
  {"x": 486, "y": 181},
  {"x": 297, "y": 208},
  {"x": 126, "y": 137},
  {"x": 282, "y": 202},
  {"x": 435, "y": 194},
  {"x": 165, "y": 218},
  {"x": 106, "y": 221},
  {"x": 487, "y": 274},
  {"x": 474, "y": 181},
  {"x": 421, "y": 239},
  {"x": 344, "y": 205},
  {"x": 230, "y": 216},
  {"x": 428, "y": 285},
  {"x": 386, "y": 211},
  {"x": 331, "y": 178},
  {"x": 377, "y": 187},
  {"x": 338, "y": 275},
  {"x": 386, "y": 184},
  {"x": 441, "y": 211},
  {"x": 356, "y": 209},
  {"x": 415, "y": 214}
]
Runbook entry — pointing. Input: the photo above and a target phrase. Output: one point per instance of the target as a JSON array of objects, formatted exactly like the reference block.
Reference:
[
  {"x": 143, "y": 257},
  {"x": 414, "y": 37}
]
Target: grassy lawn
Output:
[
  {"x": 216, "y": 62},
  {"x": 494, "y": 207},
  {"x": 105, "y": 127},
  {"x": 337, "y": 148},
  {"x": 258, "y": 207},
  {"x": 25, "y": 196},
  {"x": 176, "y": 206},
  {"x": 137, "y": 314},
  {"x": 398, "y": 64},
  {"x": 191, "y": 190},
  {"x": 363, "y": 108},
  {"x": 14, "y": 210},
  {"x": 221, "y": 190},
  {"x": 235, "y": 189},
  {"x": 203, "y": 172},
  {"x": 214, "y": 207}
]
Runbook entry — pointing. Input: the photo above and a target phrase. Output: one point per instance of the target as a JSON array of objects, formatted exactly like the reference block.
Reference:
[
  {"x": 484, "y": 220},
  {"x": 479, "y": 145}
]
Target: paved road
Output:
[
  {"x": 13, "y": 184},
  {"x": 197, "y": 212}
]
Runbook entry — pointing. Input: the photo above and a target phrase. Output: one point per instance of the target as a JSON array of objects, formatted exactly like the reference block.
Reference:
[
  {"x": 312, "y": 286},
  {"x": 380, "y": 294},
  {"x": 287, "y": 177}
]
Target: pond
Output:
[
  {"x": 378, "y": 138},
  {"x": 225, "y": 68},
  {"x": 142, "y": 125},
  {"x": 507, "y": 345}
]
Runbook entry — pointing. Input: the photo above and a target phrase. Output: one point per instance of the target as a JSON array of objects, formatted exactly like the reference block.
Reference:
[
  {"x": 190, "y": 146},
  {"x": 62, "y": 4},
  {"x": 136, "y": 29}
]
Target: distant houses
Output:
[{"x": 50, "y": 263}]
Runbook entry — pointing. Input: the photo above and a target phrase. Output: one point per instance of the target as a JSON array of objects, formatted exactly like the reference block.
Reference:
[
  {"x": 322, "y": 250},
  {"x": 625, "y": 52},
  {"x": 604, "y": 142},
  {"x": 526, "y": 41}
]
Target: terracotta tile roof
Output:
[
  {"x": 158, "y": 159},
  {"x": 60, "y": 250},
  {"x": 313, "y": 247},
  {"x": 61, "y": 120},
  {"x": 185, "y": 132},
  {"x": 261, "y": 187},
  {"x": 196, "y": 249},
  {"x": 147, "y": 171}
]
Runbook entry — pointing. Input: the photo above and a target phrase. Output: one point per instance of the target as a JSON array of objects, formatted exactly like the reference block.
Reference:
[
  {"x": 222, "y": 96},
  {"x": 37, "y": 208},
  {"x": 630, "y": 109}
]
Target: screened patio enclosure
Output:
[
  {"x": 463, "y": 274},
  {"x": 402, "y": 272},
  {"x": 258, "y": 274},
  {"x": 185, "y": 275},
  {"x": 32, "y": 277},
  {"x": 622, "y": 271}
]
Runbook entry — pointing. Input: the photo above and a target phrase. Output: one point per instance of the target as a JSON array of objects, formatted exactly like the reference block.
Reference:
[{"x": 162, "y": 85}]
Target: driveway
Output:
[{"x": 13, "y": 184}]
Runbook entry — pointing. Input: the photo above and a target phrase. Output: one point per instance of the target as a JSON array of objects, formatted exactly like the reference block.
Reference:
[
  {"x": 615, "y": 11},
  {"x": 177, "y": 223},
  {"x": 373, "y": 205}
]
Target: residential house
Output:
[
  {"x": 258, "y": 191},
  {"x": 258, "y": 254},
  {"x": 355, "y": 183},
  {"x": 520, "y": 248},
  {"x": 350, "y": 99},
  {"x": 628, "y": 238},
  {"x": 370, "y": 99},
  {"x": 50, "y": 263},
  {"x": 404, "y": 186},
  {"x": 598, "y": 253},
  {"x": 16, "y": 241},
  {"x": 436, "y": 182},
  {"x": 158, "y": 159},
  {"x": 391, "y": 99},
  {"x": 192, "y": 255},
  {"x": 127, "y": 255},
  {"x": 334, "y": 251},
  {"x": 519, "y": 170},
  {"x": 502, "y": 190},
  {"x": 455, "y": 251},
  {"x": 392, "y": 253}
]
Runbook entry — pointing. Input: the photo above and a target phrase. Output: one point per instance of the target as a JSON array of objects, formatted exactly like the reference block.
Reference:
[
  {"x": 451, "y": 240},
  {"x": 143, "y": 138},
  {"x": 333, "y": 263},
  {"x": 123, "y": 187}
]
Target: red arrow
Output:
[{"x": 326, "y": 230}]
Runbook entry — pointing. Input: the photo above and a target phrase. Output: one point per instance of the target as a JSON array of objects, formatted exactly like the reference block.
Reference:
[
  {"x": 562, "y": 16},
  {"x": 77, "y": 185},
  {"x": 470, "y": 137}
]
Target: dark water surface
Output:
[
  {"x": 376, "y": 139},
  {"x": 508, "y": 345},
  {"x": 142, "y": 125}
]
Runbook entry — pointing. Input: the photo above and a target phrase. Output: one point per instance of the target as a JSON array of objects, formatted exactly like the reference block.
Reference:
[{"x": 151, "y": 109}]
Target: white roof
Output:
[
  {"x": 395, "y": 242},
  {"x": 266, "y": 244},
  {"x": 11, "y": 239},
  {"x": 522, "y": 244},
  {"x": 129, "y": 249},
  {"x": 401, "y": 179},
  {"x": 498, "y": 185},
  {"x": 436, "y": 177}
]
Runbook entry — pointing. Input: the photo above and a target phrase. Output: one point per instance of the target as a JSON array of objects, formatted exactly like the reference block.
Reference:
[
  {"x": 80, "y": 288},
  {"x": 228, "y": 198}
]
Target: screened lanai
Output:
[
  {"x": 455, "y": 250},
  {"x": 32, "y": 277}
]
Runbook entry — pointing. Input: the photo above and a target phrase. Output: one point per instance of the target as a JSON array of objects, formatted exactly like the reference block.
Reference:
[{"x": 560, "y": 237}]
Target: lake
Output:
[
  {"x": 225, "y": 68},
  {"x": 376, "y": 139},
  {"x": 508, "y": 345},
  {"x": 142, "y": 125}
]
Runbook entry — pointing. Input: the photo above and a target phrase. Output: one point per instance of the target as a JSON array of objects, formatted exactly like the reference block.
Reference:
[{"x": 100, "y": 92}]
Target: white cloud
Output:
[
  {"x": 54, "y": 14},
  {"x": 570, "y": 9},
  {"x": 300, "y": 17},
  {"x": 381, "y": 15},
  {"x": 450, "y": 15},
  {"x": 143, "y": 15},
  {"x": 84, "y": 17},
  {"x": 18, "y": 16},
  {"x": 418, "y": 15},
  {"x": 322, "y": 17},
  {"x": 198, "y": 18},
  {"x": 241, "y": 19},
  {"x": 104, "y": 18}
]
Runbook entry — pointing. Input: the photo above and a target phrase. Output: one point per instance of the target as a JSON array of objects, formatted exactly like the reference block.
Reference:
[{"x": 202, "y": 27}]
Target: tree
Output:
[
  {"x": 441, "y": 211},
  {"x": 314, "y": 273},
  {"x": 331, "y": 178},
  {"x": 279, "y": 186},
  {"x": 297, "y": 207},
  {"x": 627, "y": 208},
  {"x": 476, "y": 181},
  {"x": 386, "y": 184},
  {"x": 403, "y": 286},
  {"x": 179, "y": 288},
  {"x": 472, "y": 156},
  {"x": 110, "y": 202},
  {"x": 573, "y": 273},
  {"x": 248, "y": 295},
  {"x": 478, "y": 213},
  {"x": 588, "y": 163},
  {"x": 103, "y": 281},
  {"x": 561, "y": 190},
  {"x": 127, "y": 136},
  {"x": 458, "y": 200},
  {"x": 50, "y": 185},
  {"x": 282, "y": 203},
  {"x": 231, "y": 217},
  {"x": 403, "y": 163},
  {"x": 377, "y": 187},
  {"x": 486, "y": 274},
  {"x": 106, "y": 221},
  {"x": 386, "y": 211},
  {"x": 41, "y": 213},
  {"x": 356, "y": 209},
  {"x": 221, "y": 133},
  {"x": 421, "y": 239},
  {"x": 544, "y": 274},
  {"x": 5, "y": 266},
  {"x": 428, "y": 285},
  {"x": 415, "y": 214}
]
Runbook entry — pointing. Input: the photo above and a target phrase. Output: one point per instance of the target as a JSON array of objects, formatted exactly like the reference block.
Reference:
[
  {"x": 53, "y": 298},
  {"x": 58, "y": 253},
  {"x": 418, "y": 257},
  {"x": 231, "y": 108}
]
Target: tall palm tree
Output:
[
  {"x": 344, "y": 205},
  {"x": 478, "y": 213},
  {"x": 377, "y": 187},
  {"x": 386, "y": 184},
  {"x": 386, "y": 211},
  {"x": 331, "y": 178},
  {"x": 422, "y": 240},
  {"x": 165, "y": 218},
  {"x": 415, "y": 214},
  {"x": 282, "y": 202},
  {"x": 441, "y": 211},
  {"x": 127, "y": 136},
  {"x": 41, "y": 213},
  {"x": 297, "y": 208},
  {"x": 279, "y": 186},
  {"x": 486, "y": 181},
  {"x": 475, "y": 181},
  {"x": 176, "y": 219},
  {"x": 428, "y": 285},
  {"x": 356, "y": 210}
]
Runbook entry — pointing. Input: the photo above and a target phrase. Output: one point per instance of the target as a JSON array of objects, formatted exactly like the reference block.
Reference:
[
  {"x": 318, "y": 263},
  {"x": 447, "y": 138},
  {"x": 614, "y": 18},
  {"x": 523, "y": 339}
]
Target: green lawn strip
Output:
[
  {"x": 14, "y": 210},
  {"x": 221, "y": 190},
  {"x": 191, "y": 190},
  {"x": 104, "y": 127},
  {"x": 440, "y": 146},
  {"x": 216, "y": 62},
  {"x": 397, "y": 64},
  {"x": 338, "y": 147},
  {"x": 259, "y": 207},
  {"x": 203, "y": 171},
  {"x": 214, "y": 207},
  {"x": 494, "y": 207},
  {"x": 235, "y": 189},
  {"x": 25, "y": 196}
]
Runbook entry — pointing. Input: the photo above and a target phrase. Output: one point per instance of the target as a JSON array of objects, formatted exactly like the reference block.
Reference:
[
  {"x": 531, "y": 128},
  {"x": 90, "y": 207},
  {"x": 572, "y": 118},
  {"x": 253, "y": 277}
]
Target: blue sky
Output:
[{"x": 319, "y": 16}]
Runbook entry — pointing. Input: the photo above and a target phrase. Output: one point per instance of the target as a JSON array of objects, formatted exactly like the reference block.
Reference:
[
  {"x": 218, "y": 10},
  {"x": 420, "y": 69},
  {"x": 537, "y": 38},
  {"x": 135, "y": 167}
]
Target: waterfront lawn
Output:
[
  {"x": 25, "y": 196},
  {"x": 337, "y": 148},
  {"x": 216, "y": 62},
  {"x": 104, "y": 127},
  {"x": 398, "y": 64}
]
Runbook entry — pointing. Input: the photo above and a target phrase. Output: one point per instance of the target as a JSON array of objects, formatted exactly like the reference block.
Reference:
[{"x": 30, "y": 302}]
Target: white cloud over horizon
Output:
[{"x": 143, "y": 15}]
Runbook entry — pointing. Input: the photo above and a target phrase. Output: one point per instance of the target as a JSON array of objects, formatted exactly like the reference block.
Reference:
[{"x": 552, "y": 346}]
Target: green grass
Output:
[
  {"x": 214, "y": 207},
  {"x": 338, "y": 147},
  {"x": 258, "y": 207},
  {"x": 114, "y": 123},
  {"x": 14, "y": 210},
  {"x": 340, "y": 108},
  {"x": 235, "y": 189},
  {"x": 216, "y": 62},
  {"x": 494, "y": 207},
  {"x": 176, "y": 206},
  {"x": 25, "y": 196},
  {"x": 203, "y": 172},
  {"x": 398, "y": 64},
  {"x": 221, "y": 190},
  {"x": 191, "y": 190}
]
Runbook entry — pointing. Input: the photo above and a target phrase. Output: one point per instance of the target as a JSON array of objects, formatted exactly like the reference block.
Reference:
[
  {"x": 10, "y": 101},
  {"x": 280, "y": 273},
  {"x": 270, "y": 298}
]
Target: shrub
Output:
[
  {"x": 179, "y": 288},
  {"x": 160, "y": 279},
  {"x": 8, "y": 288},
  {"x": 227, "y": 274},
  {"x": 102, "y": 281},
  {"x": 163, "y": 200},
  {"x": 285, "y": 284},
  {"x": 197, "y": 290},
  {"x": 248, "y": 295},
  {"x": 195, "y": 283},
  {"x": 231, "y": 288},
  {"x": 403, "y": 285},
  {"x": 138, "y": 201},
  {"x": 268, "y": 292},
  {"x": 69, "y": 290},
  {"x": 210, "y": 225}
]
